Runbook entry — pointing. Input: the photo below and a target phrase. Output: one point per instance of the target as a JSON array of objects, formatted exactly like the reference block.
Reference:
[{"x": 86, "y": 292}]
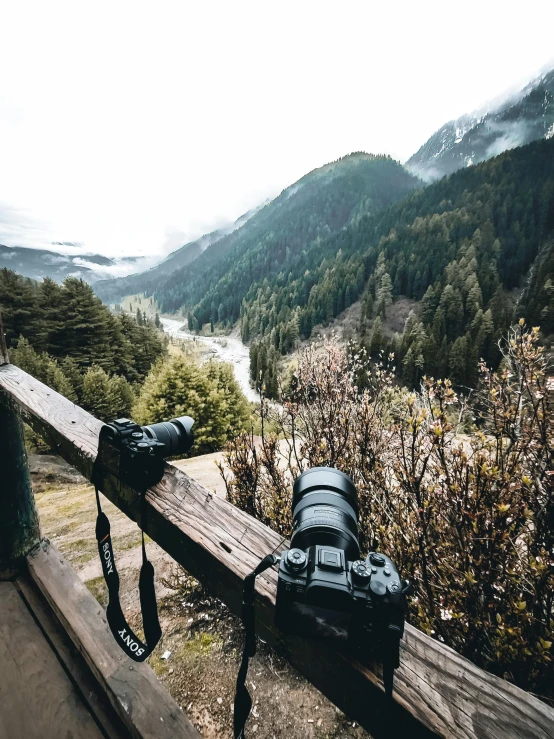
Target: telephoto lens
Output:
[
  {"x": 325, "y": 511},
  {"x": 324, "y": 589},
  {"x": 175, "y": 434}
]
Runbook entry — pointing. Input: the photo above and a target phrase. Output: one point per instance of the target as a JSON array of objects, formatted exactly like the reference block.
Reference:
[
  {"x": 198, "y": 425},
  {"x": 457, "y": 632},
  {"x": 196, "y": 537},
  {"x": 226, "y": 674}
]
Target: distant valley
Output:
[
  {"x": 114, "y": 289},
  {"x": 40, "y": 263},
  {"x": 464, "y": 232},
  {"x": 517, "y": 120}
]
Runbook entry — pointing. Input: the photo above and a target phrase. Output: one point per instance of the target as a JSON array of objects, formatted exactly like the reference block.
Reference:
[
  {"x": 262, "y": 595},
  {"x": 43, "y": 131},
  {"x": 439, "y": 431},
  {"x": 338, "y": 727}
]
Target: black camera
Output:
[
  {"x": 135, "y": 454},
  {"x": 324, "y": 589}
]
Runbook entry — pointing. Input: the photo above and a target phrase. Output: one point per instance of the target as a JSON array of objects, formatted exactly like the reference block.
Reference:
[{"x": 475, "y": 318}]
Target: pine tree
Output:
[
  {"x": 120, "y": 397},
  {"x": 51, "y": 307},
  {"x": 245, "y": 328},
  {"x": 377, "y": 342},
  {"x": 97, "y": 397},
  {"x": 254, "y": 363},
  {"x": 428, "y": 306},
  {"x": 90, "y": 330},
  {"x": 42, "y": 367},
  {"x": 18, "y": 303},
  {"x": 71, "y": 370},
  {"x": 474, "y": 299},
  {"x": 457, "y": 360},
  {"x": 367, "y": 306},
  {"x": 209, "y": 394},
  {"x": 384, "y": 295}
]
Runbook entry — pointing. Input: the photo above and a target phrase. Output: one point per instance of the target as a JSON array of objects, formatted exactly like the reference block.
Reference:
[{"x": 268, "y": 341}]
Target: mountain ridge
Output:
[
  {"x": 524, "y": 116},
  {"x": 40, "y": 263},
  {"x": 322, "y": 202},
  {"x": 456, "y": 245},
  {"x": 112, "y": 290}
]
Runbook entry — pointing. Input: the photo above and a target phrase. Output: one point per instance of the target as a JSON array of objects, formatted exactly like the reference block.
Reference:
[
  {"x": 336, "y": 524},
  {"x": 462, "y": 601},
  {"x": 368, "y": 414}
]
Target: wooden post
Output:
[
  {"x": 19, "y": 525},
  {"x": 4, "y": 359}
]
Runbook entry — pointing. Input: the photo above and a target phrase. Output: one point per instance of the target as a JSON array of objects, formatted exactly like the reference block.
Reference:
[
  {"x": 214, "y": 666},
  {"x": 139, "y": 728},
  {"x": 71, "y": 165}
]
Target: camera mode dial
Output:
[
  {"x": 296, "y": 559},
  {"x": 361, "y": 572}
]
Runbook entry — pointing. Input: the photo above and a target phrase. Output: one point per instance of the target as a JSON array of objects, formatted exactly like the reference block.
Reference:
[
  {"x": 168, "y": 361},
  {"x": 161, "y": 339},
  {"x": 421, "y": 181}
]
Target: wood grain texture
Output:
[
  {"x": 72, "y": 661},
  {"x": 437, "y": 692},
  {"x": 19, "y": 524},
  {"x": 141, "y": 702},
  {"x": 4, "y": 358},
  {"x": 37, "y": 699}
]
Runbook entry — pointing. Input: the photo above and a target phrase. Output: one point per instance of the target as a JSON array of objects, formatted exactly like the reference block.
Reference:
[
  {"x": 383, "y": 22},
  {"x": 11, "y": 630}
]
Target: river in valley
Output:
[{"x": 227, "y": 348}]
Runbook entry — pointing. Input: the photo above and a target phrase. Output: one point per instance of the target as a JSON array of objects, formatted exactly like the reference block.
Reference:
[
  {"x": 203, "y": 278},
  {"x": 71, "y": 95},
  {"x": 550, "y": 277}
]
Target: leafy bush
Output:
[
  {"x": 106, "y": 397},
  {"x": 469, "y": 518},
  {"x": 42, "y": 366},
  {"x": 209, "y": 393}
]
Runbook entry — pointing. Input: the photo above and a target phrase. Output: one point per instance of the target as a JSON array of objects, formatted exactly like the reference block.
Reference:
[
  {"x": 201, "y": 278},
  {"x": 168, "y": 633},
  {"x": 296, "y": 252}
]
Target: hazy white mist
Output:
[{"x": 132, "y": 127}]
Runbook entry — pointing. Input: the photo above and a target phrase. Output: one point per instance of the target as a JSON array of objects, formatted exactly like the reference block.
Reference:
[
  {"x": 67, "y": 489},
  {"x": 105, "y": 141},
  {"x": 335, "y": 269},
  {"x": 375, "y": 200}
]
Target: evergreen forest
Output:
[
  {"x": 461, "y": 248},
  {"x": 64, "y": 336},
  {"x": 115, "y": 364},
  {"x": 273, "y": 241}
]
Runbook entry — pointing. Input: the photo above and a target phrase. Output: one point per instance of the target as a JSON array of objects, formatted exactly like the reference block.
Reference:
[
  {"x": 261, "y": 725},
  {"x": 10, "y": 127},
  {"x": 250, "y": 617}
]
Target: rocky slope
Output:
[{"x": 524, "y": 117}]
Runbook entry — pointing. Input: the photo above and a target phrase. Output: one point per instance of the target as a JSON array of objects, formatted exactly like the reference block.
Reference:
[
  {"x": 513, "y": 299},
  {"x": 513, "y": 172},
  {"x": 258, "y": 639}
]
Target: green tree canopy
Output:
[{"x": 209, "y": 393}]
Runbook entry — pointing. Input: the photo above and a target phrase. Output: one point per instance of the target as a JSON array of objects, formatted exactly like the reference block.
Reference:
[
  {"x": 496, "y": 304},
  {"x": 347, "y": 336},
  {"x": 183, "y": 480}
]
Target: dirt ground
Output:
[{"x": 203, "y": 638}]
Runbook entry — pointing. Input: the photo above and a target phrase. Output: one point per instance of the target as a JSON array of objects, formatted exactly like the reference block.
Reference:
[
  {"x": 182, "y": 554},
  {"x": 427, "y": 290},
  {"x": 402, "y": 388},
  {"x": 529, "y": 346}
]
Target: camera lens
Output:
[
  {"x": 325, "y": 511},
  {"x": 175, "y": 434}
]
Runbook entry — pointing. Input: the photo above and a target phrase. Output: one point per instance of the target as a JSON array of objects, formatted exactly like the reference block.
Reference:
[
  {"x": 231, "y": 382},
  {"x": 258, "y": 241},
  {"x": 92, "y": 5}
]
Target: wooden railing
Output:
[{"x": 437, "y": 692}]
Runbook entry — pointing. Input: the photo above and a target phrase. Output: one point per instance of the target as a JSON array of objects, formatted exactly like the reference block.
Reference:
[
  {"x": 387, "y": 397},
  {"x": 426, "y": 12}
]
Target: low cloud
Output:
[
  {"x": 509, "y": 135},
  {"x": 20, "y": 228}
]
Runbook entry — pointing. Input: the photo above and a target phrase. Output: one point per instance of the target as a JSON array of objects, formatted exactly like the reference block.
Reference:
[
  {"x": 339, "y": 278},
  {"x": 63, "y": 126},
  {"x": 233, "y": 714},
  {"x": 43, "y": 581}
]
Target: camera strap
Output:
[
  {"x": 129, "y": 642},
  {"x": 243, "y": 701}
]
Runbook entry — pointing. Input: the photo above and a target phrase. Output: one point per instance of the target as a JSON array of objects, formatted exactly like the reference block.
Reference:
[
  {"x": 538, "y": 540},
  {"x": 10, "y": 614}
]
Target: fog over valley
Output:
[{"x": 215, "y": 140}]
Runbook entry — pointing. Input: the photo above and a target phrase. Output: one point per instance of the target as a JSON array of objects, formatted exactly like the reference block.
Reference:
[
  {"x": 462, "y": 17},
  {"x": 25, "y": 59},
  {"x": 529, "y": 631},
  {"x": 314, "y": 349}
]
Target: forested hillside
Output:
[
  {"x": 111, "y": 291},
  {"x": 456, "y": 245},
  {"x": 64, "y": 336},
  {"x": 274, "y": 240},
  {"x": 537, "y": 300}
]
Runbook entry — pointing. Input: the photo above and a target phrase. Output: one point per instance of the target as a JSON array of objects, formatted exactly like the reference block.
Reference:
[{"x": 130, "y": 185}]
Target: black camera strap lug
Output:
[
  {"x": 129, "y": 642},
  {"x": 243, "y": 701}
]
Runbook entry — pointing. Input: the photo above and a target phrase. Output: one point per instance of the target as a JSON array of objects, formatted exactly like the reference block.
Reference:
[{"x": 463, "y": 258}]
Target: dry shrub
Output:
[{"x": 469, "y": 518}]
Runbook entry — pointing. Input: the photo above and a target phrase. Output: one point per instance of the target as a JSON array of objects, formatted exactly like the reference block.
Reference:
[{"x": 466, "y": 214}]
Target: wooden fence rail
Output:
[{"x": 437, "y": 692}]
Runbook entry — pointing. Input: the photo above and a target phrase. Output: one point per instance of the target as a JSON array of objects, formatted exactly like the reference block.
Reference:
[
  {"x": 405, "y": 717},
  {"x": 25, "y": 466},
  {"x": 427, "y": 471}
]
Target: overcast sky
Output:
[{"x": 134, "y": 127}]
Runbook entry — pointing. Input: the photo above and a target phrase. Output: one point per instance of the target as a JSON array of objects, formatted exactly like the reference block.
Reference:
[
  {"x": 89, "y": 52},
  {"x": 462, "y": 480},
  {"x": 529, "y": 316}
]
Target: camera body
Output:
[
  {"x": 325, "y": 590},
  {"x": 323, "y": 595},
  {"x": 136, "y": 454}
]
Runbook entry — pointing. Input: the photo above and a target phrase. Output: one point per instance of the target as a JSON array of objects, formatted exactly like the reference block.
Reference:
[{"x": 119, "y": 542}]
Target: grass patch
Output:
[
  {"x": 130, "y": 541},
  {"x": 158, "y": 664},
  {"x": 97, "y": 587},
  {"x": 200, "y": 643}
]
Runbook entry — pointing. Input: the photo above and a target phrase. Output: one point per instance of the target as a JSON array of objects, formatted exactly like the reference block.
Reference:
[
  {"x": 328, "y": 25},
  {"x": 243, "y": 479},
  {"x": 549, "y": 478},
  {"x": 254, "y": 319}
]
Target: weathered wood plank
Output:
[
  {"x": 87, "y": 686},
  {"x": 4, "y": 358},
  {"x": 19, "y": 525},
  {"x": 141, "y": 702},
  {"x": 436, "y": 690},
  {"x": 37, "y": 699}
]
